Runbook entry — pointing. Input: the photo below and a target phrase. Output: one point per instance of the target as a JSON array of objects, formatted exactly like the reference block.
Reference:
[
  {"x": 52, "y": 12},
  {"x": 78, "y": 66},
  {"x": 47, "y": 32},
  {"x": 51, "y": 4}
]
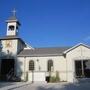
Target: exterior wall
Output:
[
  {"x": 79, "y": 53},
  {"x": 59, "y": 64},
  {"x": 38, "y": 76},
  {"x": 13, "y": 32},
  {"x": 12, "y": 50},
  {"x": 20, "y": 68},
  {"x": 20, "y": 46},
  {"x": 13, "y": 46}
]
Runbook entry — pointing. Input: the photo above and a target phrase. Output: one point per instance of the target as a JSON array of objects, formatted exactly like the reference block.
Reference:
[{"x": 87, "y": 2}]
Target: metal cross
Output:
[{"x": 14, "y": 12}]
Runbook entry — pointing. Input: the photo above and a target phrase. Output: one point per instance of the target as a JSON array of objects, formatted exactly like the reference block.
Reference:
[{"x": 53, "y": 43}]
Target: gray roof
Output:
[
  {"x": 43, "y": 51},
  {"x": 13, "y": 19}
]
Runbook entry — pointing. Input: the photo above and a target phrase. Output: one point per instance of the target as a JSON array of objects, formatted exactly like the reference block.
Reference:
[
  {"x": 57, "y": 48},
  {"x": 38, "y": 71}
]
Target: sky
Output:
[{"x": 49, "y": 23}]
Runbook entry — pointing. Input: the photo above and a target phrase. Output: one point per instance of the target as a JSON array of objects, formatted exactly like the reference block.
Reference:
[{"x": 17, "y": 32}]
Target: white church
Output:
[{"x": 19, "y": 61}]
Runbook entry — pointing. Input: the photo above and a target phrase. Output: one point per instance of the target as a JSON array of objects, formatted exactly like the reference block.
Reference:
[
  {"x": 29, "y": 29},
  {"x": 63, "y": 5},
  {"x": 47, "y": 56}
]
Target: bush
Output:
[
  {"x": 52, "y": 79},
  {"x": 26, "y": 76},
  {"x": 55, "y": 78}
]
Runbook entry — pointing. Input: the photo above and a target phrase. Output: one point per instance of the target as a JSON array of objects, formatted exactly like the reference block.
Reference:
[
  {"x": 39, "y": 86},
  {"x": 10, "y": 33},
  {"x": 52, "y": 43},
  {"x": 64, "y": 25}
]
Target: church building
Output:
[{"x": 20, "y": 61}]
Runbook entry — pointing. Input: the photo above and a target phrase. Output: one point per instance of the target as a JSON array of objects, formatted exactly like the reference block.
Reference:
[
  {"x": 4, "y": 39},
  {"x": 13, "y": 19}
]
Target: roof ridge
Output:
[{"x": 52, "y": 47}]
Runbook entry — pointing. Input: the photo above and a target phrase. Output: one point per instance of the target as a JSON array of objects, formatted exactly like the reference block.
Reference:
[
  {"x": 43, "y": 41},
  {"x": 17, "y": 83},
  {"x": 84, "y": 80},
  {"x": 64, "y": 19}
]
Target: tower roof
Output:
[{"x": 13, "y": 18}]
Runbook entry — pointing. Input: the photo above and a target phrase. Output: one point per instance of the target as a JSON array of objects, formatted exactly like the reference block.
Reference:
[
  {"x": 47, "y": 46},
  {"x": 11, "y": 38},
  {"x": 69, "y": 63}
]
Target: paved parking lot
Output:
[{"x": 44, "y": 86}]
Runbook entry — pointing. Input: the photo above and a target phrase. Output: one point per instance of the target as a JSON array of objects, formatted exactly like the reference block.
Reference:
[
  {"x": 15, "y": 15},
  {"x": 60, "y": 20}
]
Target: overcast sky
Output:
[{"x": 49, "y": 23}]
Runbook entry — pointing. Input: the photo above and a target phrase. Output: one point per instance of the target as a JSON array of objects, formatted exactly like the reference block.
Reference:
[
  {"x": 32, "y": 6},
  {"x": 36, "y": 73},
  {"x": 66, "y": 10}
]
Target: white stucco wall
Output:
[
  {"x": 59, "y": 64},
  {"x": 12, "y": 48},
  {"x": 15, "y": 46}
]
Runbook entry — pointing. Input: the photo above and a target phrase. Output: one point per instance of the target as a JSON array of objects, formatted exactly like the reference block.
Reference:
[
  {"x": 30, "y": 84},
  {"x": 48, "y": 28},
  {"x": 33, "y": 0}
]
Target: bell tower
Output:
[{"x": 12, "y": 25}]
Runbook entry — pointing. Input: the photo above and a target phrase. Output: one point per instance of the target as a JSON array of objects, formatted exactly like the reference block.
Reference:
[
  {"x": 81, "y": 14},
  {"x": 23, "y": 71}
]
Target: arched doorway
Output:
[
  {"x": 49, "y": 69},
  {"x": 7, "y": 69}
]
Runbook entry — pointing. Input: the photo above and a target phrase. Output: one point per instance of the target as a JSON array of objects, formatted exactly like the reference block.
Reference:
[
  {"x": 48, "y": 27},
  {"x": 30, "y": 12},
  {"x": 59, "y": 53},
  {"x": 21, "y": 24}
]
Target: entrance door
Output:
[{"x": 7, "y": 68}]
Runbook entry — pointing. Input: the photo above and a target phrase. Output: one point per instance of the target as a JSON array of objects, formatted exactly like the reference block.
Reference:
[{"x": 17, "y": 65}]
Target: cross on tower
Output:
[{"x": 14, "y": 12}]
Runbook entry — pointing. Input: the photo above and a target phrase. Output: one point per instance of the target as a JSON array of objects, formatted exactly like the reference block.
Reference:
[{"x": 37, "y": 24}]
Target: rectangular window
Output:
[{"x": 82, "y": 68}]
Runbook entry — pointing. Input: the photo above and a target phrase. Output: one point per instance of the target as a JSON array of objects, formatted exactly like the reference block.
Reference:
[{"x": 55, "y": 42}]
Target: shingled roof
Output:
[
  {"x": 13, "y": 19},
  {"x": 43, "y": 51}
]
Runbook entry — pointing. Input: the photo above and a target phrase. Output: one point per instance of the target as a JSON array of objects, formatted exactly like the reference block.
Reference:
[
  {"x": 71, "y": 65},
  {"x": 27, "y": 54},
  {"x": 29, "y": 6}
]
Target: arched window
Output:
[
  {"x": 31, "y": 65},
  {"x": 50, "y": 65}
]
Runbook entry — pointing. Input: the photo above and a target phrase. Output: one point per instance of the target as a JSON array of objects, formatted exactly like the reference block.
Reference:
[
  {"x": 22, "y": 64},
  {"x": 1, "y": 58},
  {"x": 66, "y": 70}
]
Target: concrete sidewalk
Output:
[
  {"x": 56, "y": 86},
  {"x": 12, "y": 85}
]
